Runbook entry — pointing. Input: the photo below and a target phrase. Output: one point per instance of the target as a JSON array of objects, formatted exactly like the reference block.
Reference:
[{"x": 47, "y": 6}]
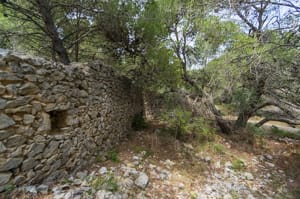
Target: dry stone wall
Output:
[{"x": 57, "y": 119}]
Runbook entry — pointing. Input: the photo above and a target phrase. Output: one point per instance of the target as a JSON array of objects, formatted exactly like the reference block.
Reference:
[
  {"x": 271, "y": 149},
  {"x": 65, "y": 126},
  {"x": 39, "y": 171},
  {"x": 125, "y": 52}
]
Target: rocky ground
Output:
[{"x": 151, "y": 164}]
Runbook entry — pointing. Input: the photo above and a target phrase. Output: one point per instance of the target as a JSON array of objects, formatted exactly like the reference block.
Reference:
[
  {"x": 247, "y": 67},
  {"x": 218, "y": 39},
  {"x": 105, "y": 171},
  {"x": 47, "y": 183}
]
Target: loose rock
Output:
[{"x": 142, "y": 180}]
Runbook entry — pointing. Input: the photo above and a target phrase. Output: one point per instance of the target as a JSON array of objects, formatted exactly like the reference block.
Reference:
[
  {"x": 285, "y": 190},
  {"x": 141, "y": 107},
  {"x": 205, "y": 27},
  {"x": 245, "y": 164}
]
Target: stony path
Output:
[{"x": 164, "y": 172}]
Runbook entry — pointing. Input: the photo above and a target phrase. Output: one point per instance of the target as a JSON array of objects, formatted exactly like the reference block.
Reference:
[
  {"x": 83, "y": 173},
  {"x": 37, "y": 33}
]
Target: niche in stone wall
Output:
[{"x": 58, "y": 120}]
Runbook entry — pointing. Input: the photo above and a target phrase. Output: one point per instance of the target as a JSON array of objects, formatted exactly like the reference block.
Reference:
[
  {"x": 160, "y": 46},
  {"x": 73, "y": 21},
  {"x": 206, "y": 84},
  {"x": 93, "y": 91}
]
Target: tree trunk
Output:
[
  {"x": 292, "y": 123},
  {"x": 77, "y": 44},
  {"x": 225, "y": 127},
  {"x": 242, "y": 120},
  {"x": 223, "y": 124},
  {"x": 51, "y": 31}
]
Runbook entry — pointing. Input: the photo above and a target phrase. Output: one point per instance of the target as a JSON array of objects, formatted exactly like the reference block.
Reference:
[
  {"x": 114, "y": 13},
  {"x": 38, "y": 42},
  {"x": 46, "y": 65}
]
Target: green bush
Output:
[
  {"x": 108, "y": 183},
  {"x": 184, "y": 124},
  {"x": 238, "y": 165},
  {"x": 9, "y": 188},
  {"x": 219, "y": 148},
  {"x": 113, "y": 156},
  {"x": 203, "y": 130},
  {"x": 256, "y": 130},
  {"x": 147, "y": 151},
  {"x": 178, "y": 120}
]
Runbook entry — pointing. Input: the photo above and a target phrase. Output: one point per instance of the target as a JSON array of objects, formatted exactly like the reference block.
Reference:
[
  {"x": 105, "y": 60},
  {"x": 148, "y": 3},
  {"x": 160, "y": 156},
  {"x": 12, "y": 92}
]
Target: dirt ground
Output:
[{"x": 228, "y": 167}]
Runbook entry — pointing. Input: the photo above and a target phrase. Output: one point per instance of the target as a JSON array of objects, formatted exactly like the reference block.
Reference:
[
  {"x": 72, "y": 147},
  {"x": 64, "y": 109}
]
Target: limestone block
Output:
[
  {"x": 51, "y": 149},
  {"x": 4, "y": 177},
  {"x": 21, "y": 109},
  {"x": 5, "y": 121},
  {"x": 35, "y": 149},
  {"x": 2, "y": 147},
  {"x": 12, "y": 90},
  {"x": 3, "y": 103},
  {"x": 17, "y": 152},
  {"x": 28, "y": 118},
  {"x": 20, "y": 101},
  {"x": 29, "y": 164},
  {"x": 6, "y": 76},
  {"x": 29, "y": 89},
  {"x": 2, "y": 89},
  {"x": 15, "y": 140},
  {"x": 19, "y": 180},
  {"x": 7, "y": 164},
  {"x": 46, "y": 123},
  {"x": 5, "y": 134}
]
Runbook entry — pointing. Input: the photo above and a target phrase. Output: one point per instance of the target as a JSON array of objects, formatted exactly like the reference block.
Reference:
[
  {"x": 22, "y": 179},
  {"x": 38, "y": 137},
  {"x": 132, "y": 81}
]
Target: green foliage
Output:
[
  {"x": 259, "y": 134},
  {"x": 184, "y": 124},
  {"x": 219, "y": 148},
  {"x": 111, "y": 184},
  {"x": 113, "y": 156},
  {"x": 226, "y": 109},
  {"x": 238, "y": 165},
  {"x": 234, "y": 194},
  {"x": 223, "y": 78},
  {"x": 9, "y": 188},
  {"x": 5, "y": 25},
  {"x": 282, "y": 133},
  {"x": 193, "y": 195},
  {"x": 153, "y": 43},
  {"x": 202, "y": 129},
  {"x": 178, "y": 120},
  {"x": 243, "y": 98},
  {"x": 96, "y": 183},
  {"x": 256, "y": 130},
  {"x": 147, "y": 152},
  {"x": 108, "y": 183},
  {"x": 213, "y": 33}
]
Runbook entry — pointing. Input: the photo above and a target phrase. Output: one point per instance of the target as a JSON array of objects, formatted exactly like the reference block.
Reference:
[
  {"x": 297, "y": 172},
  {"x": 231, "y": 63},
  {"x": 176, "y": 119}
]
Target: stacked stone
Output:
[{"x": 56, "y": 119}]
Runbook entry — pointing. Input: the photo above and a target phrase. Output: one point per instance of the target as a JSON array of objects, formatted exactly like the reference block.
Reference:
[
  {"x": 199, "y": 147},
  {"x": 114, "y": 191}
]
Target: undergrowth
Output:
[
  {"x": 146, "y": 152},
  {"x": 184, "y": 126},
  {"x": 113, "y": 156},
  {"x": 260, "y": 132},
  {"x": 108, "y": 183},
  {"x": 238, "y": 165},
  {"x": 282, "y": 133}
]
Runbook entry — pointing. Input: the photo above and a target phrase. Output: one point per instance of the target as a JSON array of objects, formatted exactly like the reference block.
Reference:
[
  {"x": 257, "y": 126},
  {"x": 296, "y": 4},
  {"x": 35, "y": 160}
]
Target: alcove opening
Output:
[{"x": 58, "y": 120}]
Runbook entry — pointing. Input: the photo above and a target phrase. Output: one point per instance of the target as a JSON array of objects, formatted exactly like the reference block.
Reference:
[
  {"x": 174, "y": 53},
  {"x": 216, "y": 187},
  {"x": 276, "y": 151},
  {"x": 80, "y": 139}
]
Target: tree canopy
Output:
[{"x": 244, "y": 53}]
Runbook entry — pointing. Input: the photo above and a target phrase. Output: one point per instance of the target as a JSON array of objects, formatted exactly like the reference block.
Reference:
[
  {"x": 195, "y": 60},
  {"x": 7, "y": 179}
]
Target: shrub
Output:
[
  {"x": 203, "y": 130},
  {"x": 282, "y": 133},
  {"x": 219, "y": 148},
  {"x": 184, "y": 124},
  {"x": 111, "y": 184},
  {"x": 256, "y": 130},
  {"x": 258, "y": 133},
  {"x": 178, "y": 120},
  {"x": 238, "y": 165},
  {"x": 147, "y": 152},
  {"x": 113, "y": 156},
  {"x": 108, "y": 183}
]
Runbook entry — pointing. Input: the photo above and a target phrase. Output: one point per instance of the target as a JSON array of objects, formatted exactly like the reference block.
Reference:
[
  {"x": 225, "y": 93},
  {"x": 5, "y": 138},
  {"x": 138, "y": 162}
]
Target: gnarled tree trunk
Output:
[
  {"x": 51, "y": 31},
  {"x": 242, "y": 120}
]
